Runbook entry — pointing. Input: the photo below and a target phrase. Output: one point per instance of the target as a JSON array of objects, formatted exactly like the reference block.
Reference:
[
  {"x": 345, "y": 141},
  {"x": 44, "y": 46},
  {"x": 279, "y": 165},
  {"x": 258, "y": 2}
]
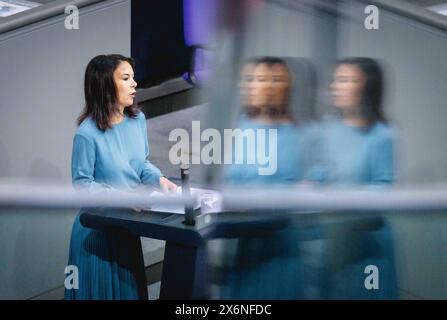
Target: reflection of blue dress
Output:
[
  {"x": 268, "y": 266},
  {"x": 355, "y": 156},
  {"x": 110, "y": 262},
  {"x": 278, "y": 265},
  {"x": 289, "y": 160},
  {"x": 351, "y": 157}
]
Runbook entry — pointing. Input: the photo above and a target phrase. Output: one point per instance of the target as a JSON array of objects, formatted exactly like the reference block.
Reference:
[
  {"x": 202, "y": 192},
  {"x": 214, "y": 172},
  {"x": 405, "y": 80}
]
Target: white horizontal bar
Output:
[
  {"x": 295, "y": 197},
  {"x": 332, "y": 199},
  {"x": 53, "y": 196}
]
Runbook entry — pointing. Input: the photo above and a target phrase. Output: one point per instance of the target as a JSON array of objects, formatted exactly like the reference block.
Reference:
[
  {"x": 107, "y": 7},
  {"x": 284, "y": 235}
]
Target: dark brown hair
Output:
[
  {"x": 371, "y": 107},
  {"x": 100, "y": 91}
]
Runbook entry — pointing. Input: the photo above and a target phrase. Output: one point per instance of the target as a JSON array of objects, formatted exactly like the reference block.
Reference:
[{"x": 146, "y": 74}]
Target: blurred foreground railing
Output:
[{"x": 297, "y": 198}]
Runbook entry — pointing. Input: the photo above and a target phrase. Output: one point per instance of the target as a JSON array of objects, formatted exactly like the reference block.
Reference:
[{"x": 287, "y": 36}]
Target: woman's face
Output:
[
  {"x": 269, "y": 86},
  {"x": 347, "y": 87},
  {"x": 259, "y": 87},
  {"x": 125, "y": 84}
]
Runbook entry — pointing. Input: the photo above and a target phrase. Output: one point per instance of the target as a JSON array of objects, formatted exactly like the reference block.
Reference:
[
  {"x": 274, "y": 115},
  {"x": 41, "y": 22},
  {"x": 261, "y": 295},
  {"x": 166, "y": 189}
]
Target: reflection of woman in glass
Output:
[
  {"x": 109, "y": 152},
  {"x": 267, "y": 265},
  {"x": 359, "y": 147},
  {"x": 266, "y": 84},
  {"x": 358, "y": 150}
]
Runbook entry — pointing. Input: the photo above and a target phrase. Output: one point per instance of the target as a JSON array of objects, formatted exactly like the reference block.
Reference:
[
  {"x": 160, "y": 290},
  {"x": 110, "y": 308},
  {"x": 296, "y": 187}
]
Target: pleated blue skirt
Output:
[{"x": 110, "y": 264}]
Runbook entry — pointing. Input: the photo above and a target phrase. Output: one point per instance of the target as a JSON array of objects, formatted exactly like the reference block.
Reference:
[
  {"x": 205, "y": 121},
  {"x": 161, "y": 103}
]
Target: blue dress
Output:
[
  {"x": 353, "y": 156},
  {"x": 110, "y": 262}
]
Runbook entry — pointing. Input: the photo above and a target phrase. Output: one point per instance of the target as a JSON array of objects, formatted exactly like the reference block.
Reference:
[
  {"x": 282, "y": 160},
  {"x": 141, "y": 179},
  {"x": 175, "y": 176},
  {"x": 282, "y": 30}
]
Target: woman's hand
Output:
[{"x": 167, "y": 186}]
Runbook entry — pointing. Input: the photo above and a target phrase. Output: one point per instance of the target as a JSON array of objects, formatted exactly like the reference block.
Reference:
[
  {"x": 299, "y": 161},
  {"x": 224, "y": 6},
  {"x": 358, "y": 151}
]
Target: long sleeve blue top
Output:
[{"x": 115, "y": 158}]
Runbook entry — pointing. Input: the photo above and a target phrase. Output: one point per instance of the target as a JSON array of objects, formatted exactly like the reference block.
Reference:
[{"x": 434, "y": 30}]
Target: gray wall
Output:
[
  {"x": 34, "y": 251},
  {"x": 41, "y": 87},
  {"x": 41, "y": 92},
  {"x": 416, "y": 104}
]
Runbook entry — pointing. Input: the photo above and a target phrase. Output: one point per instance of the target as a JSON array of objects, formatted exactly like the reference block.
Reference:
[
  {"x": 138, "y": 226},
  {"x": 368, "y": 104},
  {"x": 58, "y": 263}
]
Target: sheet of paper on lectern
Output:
[{"x": 209, "y": 200}]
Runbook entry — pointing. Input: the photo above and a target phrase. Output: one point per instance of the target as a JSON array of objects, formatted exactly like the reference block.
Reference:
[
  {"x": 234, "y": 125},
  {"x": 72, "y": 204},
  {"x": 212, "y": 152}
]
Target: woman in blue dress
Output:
[
  {"x": 110, "y": 148},
  {"x": 358, "y": 149}
]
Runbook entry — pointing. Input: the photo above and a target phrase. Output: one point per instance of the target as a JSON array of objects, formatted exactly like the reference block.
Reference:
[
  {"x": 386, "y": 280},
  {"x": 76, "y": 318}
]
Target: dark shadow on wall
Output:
[{"x": 157, "y": 41}]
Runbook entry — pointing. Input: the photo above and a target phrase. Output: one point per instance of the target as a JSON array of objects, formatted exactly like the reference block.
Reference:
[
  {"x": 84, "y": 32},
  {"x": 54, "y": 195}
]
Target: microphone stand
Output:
[{"x": 186, "y": 193}]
